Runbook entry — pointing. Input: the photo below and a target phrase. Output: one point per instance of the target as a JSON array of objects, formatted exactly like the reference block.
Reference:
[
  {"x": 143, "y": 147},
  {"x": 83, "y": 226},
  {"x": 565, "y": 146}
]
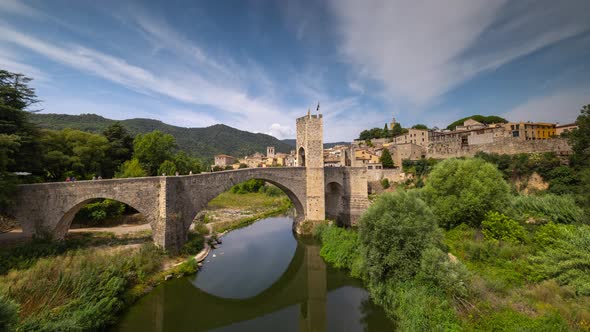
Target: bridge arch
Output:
[
  {"x": 199, "y": 190},
  {"x": 65, "y": 222},
  {"x": 334, "y": 200}
]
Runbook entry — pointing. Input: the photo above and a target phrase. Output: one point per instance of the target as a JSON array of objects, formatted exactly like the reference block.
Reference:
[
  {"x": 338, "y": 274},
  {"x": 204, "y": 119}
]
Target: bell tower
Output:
[{"x": 310, "y": 154}]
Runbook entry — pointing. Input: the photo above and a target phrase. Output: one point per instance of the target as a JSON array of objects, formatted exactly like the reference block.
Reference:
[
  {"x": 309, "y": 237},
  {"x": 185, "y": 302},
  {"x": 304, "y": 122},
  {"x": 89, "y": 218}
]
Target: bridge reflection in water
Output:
[{"x": 299, "y": 300}]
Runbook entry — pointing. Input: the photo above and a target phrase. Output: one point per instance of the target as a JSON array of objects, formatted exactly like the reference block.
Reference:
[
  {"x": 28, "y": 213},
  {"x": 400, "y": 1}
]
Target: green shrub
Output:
[
  {"x": 548, "y": 234},
  {"x": 194, "y": 244},
  {"x": 167, "y": 167},
  {"x": 559, "y": 209},
  {"x": 462, "y": 191},
  {"x": 567, "y": 259},
  {"x": 79, "y": 291},
  {"x": 271, "y": 191},
  {"x": 415, "y": 306},
  {"x": 499, "y": 227},
  {"x": 250, "y": 186},
  {"x": 93, "y": 213},
  {"x": 385, "y": 183},
  {"x": 394, "y": 232},
  {"x": 436, "y": 269},
  {"x": 8, "y": 314},
  {"x": 340, "y": 247}
]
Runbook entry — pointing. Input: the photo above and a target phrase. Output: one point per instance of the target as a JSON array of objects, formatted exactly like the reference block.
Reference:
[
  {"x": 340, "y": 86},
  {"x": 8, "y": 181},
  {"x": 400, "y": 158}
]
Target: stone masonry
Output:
[{"x": 310, "y": 154}]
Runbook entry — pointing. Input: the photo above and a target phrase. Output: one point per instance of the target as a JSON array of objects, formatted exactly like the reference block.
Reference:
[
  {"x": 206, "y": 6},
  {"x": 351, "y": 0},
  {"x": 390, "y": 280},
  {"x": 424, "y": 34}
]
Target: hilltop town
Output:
[{"x": 415, "y": 144}]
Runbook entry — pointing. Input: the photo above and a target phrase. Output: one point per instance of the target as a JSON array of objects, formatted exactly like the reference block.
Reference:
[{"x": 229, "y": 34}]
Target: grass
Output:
[
  {"x": 250, "y": 201},
  {"x": 84, "y": 282},
  {"x": 24, "y": 255},
  {"x": 538, "y": 285},
  {"x": 80, "y": 290}
]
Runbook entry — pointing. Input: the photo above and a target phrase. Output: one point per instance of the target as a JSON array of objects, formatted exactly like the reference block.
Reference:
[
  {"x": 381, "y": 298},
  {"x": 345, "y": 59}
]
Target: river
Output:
[{"x": 262, "y": 278}]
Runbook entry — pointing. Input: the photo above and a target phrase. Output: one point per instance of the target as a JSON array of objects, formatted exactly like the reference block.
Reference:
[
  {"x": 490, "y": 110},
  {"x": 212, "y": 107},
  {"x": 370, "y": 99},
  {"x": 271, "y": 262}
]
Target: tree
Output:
[
  {"x": 185, "y": 164},
  {"x": 480, "y": 118},
  {"x": 420, "y": 126},
  {"x": 580, "y": 139},
  {"x": 120, "y": 148},
  {"x": 394, "y": 232},
  {"x": 463, "y": 191},
  {"x": 131, "y": 169},
  {"x": 167, "y": 167},
  {"x": 19, "y": 138},
  {"x": 386, "y": 132},
  {"x": 71, "y": 152},
  {"x": 242, "y": 165},
  {"x": 398, "y": 130},
  {"x": 152, "y": 149},
  {"x": 386, "y": 159}
]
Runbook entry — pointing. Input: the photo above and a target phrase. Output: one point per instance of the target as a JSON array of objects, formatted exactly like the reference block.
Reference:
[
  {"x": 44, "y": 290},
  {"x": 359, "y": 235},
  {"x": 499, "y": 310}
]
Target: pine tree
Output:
[{"x": 386, "y": 159}]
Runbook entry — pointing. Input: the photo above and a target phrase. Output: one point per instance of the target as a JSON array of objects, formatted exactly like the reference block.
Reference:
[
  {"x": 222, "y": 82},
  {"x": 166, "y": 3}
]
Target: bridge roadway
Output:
[{"x": 170, "y": 203}]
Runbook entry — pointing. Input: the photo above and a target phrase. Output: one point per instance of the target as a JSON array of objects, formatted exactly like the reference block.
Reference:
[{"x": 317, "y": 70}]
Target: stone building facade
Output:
[{"x": 310, "y": 154}]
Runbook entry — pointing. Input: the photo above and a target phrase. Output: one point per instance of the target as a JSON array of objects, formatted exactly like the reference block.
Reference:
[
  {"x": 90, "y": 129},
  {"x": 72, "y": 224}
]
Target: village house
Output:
[{"x": 223, "y": 160}]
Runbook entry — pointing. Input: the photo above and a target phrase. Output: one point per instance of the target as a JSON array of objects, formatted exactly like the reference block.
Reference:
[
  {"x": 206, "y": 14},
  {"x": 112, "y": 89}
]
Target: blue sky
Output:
[{"x": 257, "y": 65}]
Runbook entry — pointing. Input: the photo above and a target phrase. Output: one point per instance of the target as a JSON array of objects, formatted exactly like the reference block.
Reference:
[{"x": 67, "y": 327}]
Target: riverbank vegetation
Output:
[
  {"x": 84, "y": 282},
  {"x": 467, "y": 252}
]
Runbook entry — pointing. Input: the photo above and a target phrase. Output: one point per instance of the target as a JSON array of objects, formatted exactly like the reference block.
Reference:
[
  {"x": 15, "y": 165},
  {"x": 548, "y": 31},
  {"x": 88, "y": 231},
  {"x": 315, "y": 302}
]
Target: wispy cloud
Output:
[
  {"x": 421, "y": 50},
  {"x": 561, "y": 106},
  {"x": 19, "y": 8}
]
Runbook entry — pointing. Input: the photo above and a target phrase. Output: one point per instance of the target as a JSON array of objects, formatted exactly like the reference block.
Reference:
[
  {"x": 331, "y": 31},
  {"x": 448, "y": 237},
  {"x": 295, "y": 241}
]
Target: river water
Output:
[{"x": 262, "y": 278}]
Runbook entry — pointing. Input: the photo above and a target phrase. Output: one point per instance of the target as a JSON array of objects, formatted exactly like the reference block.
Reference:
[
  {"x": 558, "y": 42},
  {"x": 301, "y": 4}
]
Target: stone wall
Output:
[{"x": 500, "y": 145}]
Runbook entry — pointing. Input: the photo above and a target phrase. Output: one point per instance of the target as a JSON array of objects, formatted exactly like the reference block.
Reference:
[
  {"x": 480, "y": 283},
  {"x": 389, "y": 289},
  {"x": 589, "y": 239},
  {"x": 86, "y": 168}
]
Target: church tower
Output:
[{"x": 310, "y": 154}]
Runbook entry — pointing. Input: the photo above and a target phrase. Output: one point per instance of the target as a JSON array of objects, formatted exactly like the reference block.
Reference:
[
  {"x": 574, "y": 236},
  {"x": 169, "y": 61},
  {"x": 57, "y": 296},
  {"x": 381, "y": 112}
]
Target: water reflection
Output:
[{"x": 306, "y": 295}]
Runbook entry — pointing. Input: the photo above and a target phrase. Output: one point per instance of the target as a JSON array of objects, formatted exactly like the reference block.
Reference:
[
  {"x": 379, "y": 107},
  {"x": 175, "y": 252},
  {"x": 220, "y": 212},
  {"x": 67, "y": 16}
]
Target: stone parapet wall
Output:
[{"x": 500, "y": 145}]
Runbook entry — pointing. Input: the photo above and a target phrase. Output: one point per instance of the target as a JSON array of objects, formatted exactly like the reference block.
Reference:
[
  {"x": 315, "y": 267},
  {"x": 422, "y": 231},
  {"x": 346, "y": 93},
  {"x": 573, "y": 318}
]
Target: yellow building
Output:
[{"x": 531, "y": 130}]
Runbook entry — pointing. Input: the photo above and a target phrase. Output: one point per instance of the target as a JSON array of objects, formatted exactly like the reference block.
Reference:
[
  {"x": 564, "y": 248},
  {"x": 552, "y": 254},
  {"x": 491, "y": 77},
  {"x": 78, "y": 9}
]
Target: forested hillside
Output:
[{"x": 199, "y": 142}]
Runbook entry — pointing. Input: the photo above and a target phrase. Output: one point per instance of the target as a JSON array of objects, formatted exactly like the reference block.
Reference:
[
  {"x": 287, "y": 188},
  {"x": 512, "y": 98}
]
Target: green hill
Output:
[
  {"x": 199, "y": 142},
  {"x": 479, "y": 118}
]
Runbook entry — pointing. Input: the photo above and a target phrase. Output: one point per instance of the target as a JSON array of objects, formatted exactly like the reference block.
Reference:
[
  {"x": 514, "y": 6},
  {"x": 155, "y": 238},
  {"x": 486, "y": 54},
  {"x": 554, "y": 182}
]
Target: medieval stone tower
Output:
[
  {"x": 310, "y": 154},
  {"x": 270, "y": 151}
]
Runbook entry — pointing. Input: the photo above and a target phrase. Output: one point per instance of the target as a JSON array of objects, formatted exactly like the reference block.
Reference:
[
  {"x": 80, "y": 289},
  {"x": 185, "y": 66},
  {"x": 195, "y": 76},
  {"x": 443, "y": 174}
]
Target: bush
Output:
[
  {"x": 250, "y": 186},
  {"x": 131, "y": 169},
  {"x": 194, "y": 244},
  {"x": 559, "y": 209},
  {"x": 92, "y": 213},
  {"x": 499, "y": 227},
  {"x": 271, "y": 191},
  {"x": 87, "y": 288},
  {"x": 385, "y": 183},
  {"x": 340, "y": 247},
  {"x": 462, "y": 191},
  {"x": 436, "y": 269},
  {"x": 8, "y": 314},
  {"x": 167, "y": 167},
  {"x": 548, "y": 234},
  {"x": 415, "y": 306},
  {"x": 567, "y": 259},
  {"x": 394, "y": 232}
]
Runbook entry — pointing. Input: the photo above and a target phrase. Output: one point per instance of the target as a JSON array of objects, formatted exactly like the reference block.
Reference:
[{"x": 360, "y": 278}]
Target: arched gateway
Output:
[{"x": 171, "y": 203}]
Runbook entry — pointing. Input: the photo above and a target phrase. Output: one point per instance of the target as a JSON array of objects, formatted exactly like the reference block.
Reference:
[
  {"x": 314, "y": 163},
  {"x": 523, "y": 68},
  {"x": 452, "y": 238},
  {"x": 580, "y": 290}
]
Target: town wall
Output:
[{"x": 500, "y": 145}]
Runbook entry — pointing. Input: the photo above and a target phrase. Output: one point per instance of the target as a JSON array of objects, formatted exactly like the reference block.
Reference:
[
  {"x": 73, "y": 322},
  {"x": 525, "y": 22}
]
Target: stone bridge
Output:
[{"x": 170, "y": 203}]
